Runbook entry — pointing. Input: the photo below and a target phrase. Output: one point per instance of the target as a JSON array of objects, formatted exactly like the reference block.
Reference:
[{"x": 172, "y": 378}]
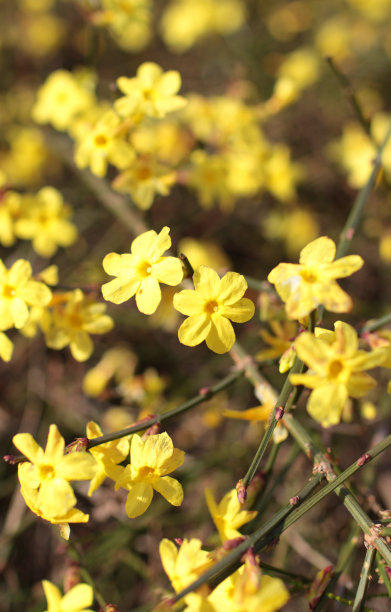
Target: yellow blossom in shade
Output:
[
  {"x": 145, "y": 179},
  {"x": 247, "y": 590},
  {"x": 183, "y": 565},
  {"x": 335, "y": 370},
  {"x": 18, "y": 292},
  {"x": 304, "y": 286},
  {"x": 151, "y": 93},
  {"x": 280, "y": 343},
  {"x": 28, "y": 158},
  {"x": 102, "y": 144},
  {"x": 74, "y": 316},
  {"x": 262, "y": 414},
  {"x": 150, "y": 462},
  {"x": 140, "y": 271},
  {"x": 78, "y": 599},
  {"x": 117, "y": 362},
  {"x": 61, "y": 99},
  {"x": 46, "y": 222},
  {"x": 129, "y": 22},
  {"x": 47, "y": 474},
  {"x": 6, "y": 347},
  {"x": 228, "y": 515},
  {"x": 210, "y": 307},
  {"x": 107, "y": 456}
]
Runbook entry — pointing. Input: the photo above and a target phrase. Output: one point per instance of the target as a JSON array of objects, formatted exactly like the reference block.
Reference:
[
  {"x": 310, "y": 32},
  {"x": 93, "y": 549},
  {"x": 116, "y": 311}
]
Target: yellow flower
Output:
[
  {"x": 74, "y": 317},
  {"x": 129, "y": 22},
  {"x": 102, "y": 144},
  {"x": 46, "y": 222},
  {"x": 304, "y": 286},
  {"x": 45, "y": 477},
  {"x": 228, "y": 515},
  {"x": 150, "y": 462},
  {"x": 107, "y": 456},
  {"x": 61, "y": 99},
  {"x": 280, "y": 344},
  {"x": 185, "y": 565},
  {"x": 336, "y": 370},
  {"x": 17, "y": 292},
  {"x": 250, "y": 591},
  {"x": 141, "y": 271},
  {"x": 210, "y": 307},
  {"x": 77, "y": 599},
  {"x": 152, "y": 93},
  {"x": 10, "y": 209}
]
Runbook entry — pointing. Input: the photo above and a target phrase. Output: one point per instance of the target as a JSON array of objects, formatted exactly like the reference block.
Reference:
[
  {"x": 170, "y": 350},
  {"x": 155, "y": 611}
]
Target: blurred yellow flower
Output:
[
  {"x": 18, "y": 292},
  {"x": 335, "y": 370},
  {"x": 46, "y": 222},
  {"x": 210, "y": 307},
  {"x": 77, "y": 599},
  {"x": 304, "y": 286},
  {"x": 183, "y": 565},
  {"x": 61, "y": 99},
  {"x": 150, "y": 462},
  {"x": 228, "y": 515},
  {"x": 6, "y": 347},
  {"x": 141, "y": 271},
  {"x": 151, "y": 93}
]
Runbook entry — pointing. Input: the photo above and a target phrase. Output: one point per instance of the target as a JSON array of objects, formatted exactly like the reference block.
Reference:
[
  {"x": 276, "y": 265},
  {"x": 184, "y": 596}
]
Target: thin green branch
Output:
[
  {"x": 365, "y": 578},
  {"x": 165, "y": 416},
  {"x": 381, "y": 568},
  {"x": 375, "y": 324}
]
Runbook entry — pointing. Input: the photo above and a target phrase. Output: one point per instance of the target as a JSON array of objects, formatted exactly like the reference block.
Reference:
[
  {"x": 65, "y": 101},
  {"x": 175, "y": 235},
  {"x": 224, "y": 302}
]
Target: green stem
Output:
[
  {"x": 160, "y": 418},
  {"x": 365, "y": 578},
  {"x": 376, "y": 324},
  {"x": 383, "y": 573}
]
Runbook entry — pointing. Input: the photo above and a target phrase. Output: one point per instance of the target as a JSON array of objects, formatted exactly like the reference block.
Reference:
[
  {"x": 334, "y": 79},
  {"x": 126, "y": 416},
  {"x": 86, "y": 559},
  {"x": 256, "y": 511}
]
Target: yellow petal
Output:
[
  {"x": 344, "y": 266},
  {"x": 55, "y": 445},
  {"x": 148, "y": 296},
  {"x": 194, "y": 329},
  {"x": 360, "y": 383},
  {"x": 232, "y": 288},
  {"x": 326, "y": 403},
  {"x": 120, "y": 289},
  {"x": 169, "y": 271},
  {"x": 28, "y": 446},
  {"x": 81, "y": 346},
  {"x": 239, "y": 312},
  {"x": 6, "y": 347},
  {"x": 55, "y": 498},
  {"x": 119, "y": 265},
  {"x": 77, "y": 466},
  {"x": 221, "y": 337},
  {"x": 79, "y": 597},
  {"x": 189, "y": 302},
  {"x": 19, "y": 272},
  {"x": 170, "y": 488},
  {"x": 321, "y": 250},
  {"x": 19, "y": 312},
  {"x": 139, "y": 499},
  {"x": 52, "y": 594},
  {"x": 207, "y": 282},
  {"x": 168, "y": 555}
]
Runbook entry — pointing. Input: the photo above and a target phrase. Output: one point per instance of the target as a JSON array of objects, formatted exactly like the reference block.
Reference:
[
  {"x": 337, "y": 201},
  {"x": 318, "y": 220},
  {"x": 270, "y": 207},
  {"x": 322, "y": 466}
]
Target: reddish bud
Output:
[
  {"x": 234, "y": 543},
  {"x": 294, "y": 500},
  {"x": 155, "y": 429},
  {"x": 204, "y": 391},
  {"x": 363, "y": 459},
  {"x": 77, "y": 446},
  {"x": 111, "y": 608},
  {"x": 178, "y": 541},
  {"x": 279, "y": 413},
  {"x": 319, "y": 585},
  {"x": 241, "y": 492},
  {"x": 11, "y": 459}
]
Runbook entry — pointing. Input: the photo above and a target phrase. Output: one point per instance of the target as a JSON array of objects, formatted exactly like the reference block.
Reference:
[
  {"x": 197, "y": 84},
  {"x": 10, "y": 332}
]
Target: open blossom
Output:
[
  {"x": 228, "y": 515},
  {"x": 140, "y": 271},
  {"x": 185, "y": 564},
  {"x": 210, "y": 307},
  {"x": 152, "y": 93},
  {"x": 18, "y": 292},
  {"x": 77, "y": 599},
  {"x": 150, "y": 462},
  {"x": 45, "y": 477},
  {"x": 304, "y": 286},
  {"x": 336, "y": 370},
  {"x": 107, "y": 456}
]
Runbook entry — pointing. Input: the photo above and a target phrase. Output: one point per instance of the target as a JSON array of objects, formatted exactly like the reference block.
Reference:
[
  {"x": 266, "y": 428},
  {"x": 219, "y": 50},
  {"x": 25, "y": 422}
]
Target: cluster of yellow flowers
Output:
[
  {"x": 43, "y": 218},
  {"x": 156, "y": 138}
]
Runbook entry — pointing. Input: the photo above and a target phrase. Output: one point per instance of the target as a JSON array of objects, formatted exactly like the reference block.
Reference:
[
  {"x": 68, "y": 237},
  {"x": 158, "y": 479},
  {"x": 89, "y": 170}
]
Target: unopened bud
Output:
[{"x": 241, "y": 492}]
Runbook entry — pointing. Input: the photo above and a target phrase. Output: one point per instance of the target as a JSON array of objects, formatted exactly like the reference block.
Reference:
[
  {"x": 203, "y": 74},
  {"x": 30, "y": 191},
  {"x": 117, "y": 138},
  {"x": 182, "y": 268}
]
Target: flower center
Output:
[
  {"x": 100, "y": 140},
  {"x": 144, "y": 268},
  {"x": 144, "y": 473},
  {"x": 335, "y": 368},
  {"x": 308, "y": 275},
  {"x": 211, "y": 307},
  {"x": 46, "y": 472},
  {"x": 9, "y": 291},
  {"x": 75, "y": 320}
]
